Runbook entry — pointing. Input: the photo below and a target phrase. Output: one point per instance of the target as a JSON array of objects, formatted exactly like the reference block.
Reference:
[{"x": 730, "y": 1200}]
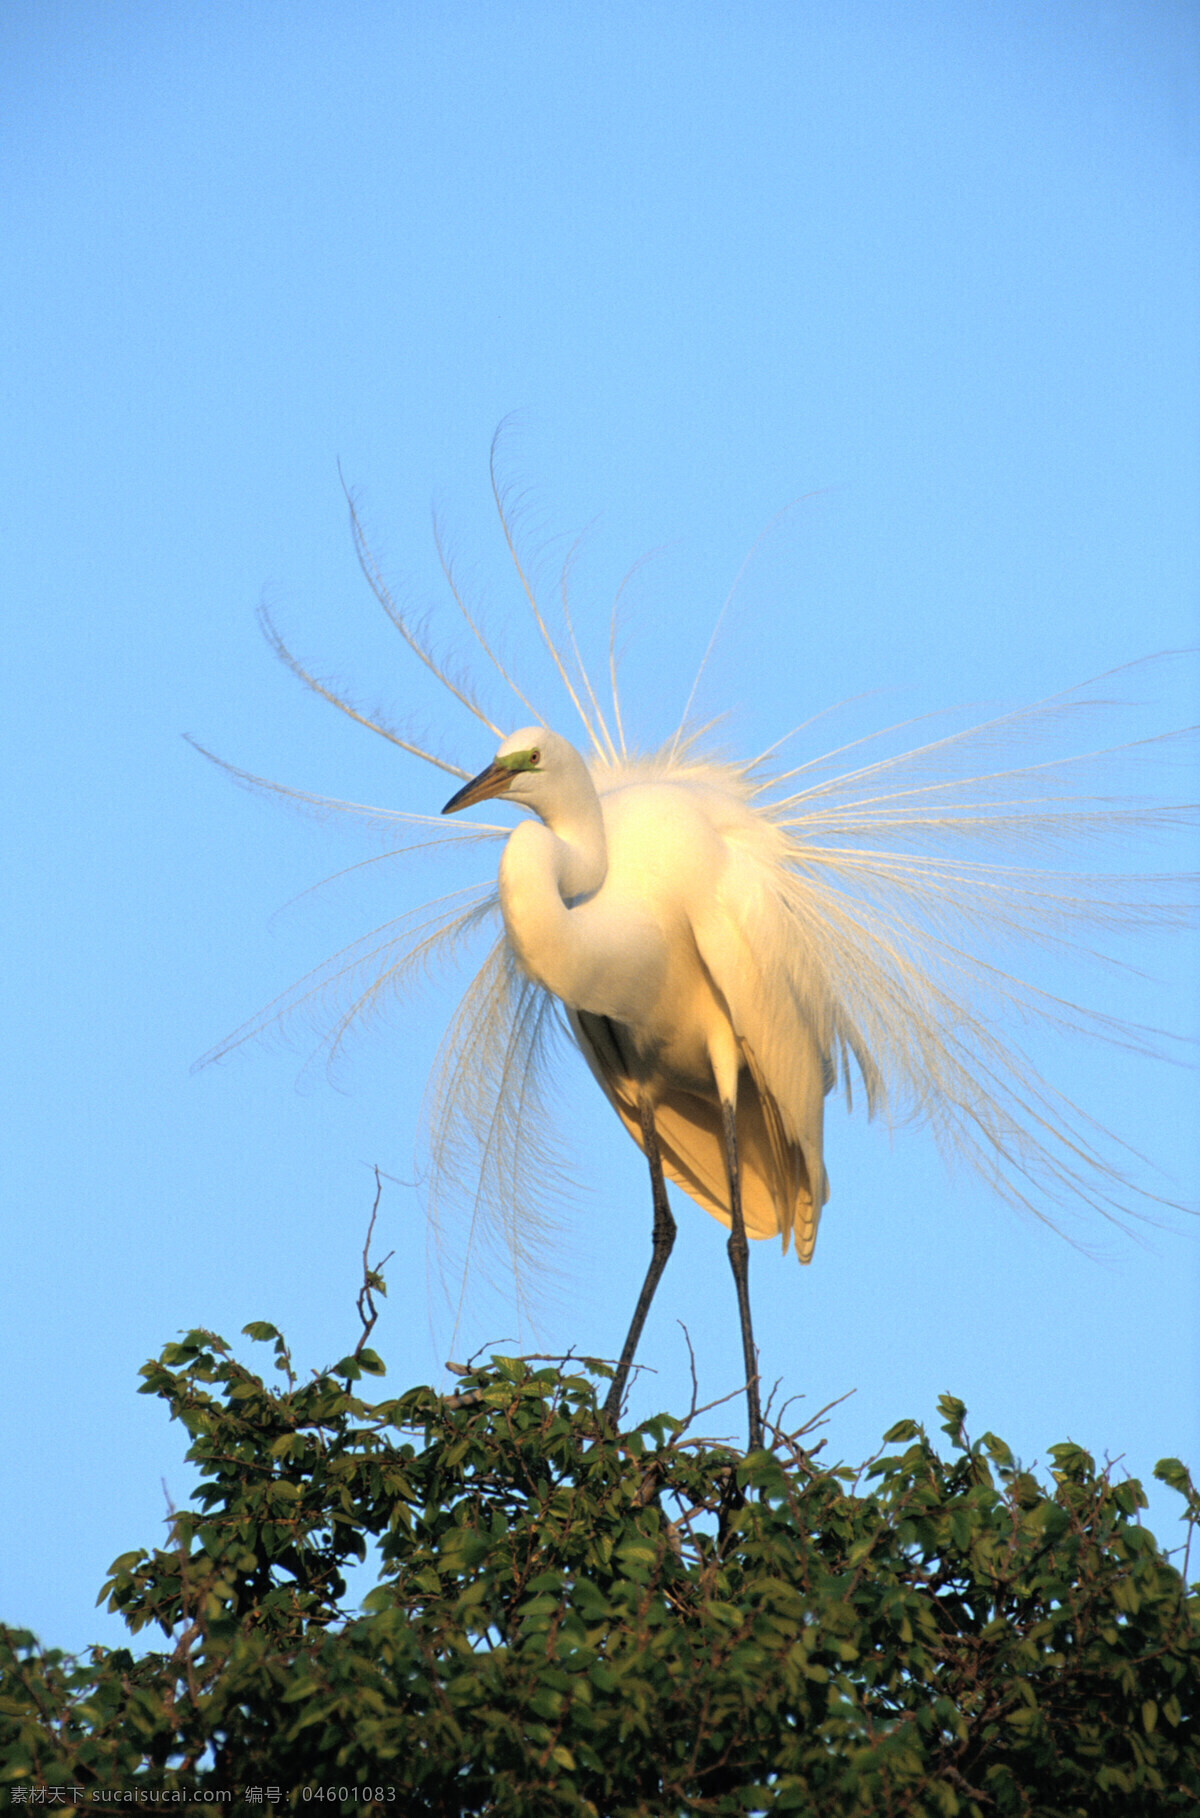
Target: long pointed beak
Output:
[{"x": 492, "y": 781}]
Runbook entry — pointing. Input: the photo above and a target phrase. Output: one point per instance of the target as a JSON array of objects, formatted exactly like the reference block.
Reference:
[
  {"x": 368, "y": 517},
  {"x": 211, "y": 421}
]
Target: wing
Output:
[{"x": 785, "y": 1025}]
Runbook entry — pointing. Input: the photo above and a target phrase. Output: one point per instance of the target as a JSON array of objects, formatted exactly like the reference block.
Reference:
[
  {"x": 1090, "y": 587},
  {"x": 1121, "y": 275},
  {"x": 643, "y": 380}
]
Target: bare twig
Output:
[
  {"x": 814, "y": 1421},
  {"x": 720, "y": 1401},
  {"x": 687, "y": 1339},
  {"x": 373, "y": 1282}
]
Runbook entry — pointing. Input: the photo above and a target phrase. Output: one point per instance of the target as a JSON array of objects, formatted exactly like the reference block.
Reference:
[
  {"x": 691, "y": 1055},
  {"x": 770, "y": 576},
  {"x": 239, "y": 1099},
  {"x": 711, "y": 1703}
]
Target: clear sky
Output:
[{"x": 931, "y": 268}]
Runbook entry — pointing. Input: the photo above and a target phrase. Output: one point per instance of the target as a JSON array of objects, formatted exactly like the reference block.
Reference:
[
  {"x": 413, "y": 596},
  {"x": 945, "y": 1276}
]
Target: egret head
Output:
[{"x": 533, "y": 768}]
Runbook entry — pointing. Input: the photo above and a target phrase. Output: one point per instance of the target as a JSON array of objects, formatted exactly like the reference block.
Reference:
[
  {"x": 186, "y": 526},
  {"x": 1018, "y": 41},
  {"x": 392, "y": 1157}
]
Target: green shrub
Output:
[{"x": 568, "y": 1621}]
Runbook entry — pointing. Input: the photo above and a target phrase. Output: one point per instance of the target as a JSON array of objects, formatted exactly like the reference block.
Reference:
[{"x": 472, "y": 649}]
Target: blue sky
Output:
[{"x": 929, "y": 269}]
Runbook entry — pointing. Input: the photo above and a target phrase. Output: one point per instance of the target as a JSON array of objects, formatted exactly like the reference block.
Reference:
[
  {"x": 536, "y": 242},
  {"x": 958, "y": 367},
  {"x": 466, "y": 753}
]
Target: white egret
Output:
[
  {"x": 654, "y": 920},
  {"x": 728, "y": 941}
]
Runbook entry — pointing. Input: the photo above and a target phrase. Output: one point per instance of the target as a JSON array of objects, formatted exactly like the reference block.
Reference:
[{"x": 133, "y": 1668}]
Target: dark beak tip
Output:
[{"x": 489, "y": 782}]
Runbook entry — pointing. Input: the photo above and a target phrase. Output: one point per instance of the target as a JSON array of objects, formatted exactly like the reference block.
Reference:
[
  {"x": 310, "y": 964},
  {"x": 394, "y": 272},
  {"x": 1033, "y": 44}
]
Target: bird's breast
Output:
[{"x": 628, "y": 951}]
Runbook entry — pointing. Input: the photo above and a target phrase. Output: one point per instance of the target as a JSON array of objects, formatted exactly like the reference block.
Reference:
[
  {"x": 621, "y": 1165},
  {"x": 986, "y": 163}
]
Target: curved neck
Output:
[
  {"x": 580, "y": 847},
  {"x": 548, "y": 869}
]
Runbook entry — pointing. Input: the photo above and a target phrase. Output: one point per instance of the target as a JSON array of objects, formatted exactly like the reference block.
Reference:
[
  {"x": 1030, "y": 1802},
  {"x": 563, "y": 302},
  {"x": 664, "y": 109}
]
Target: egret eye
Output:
[{"x": 535, "y": 758}]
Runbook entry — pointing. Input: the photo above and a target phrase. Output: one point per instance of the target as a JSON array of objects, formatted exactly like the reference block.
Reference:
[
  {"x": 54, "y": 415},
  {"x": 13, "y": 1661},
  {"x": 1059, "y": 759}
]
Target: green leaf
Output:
[
  {"x": 903, "y": 1430},
  {"x": 1072, "y": 1463},
  {"x": 954, "y": 1413},
  {"x": 545, "y": 1581},
  {"x": 1177, "y": 1477}
]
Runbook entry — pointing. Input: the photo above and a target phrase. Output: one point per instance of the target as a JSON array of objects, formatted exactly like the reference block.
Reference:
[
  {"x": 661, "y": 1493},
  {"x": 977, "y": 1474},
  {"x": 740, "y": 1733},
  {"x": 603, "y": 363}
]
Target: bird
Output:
[
  {"x": 727, "y": 941},
  {"x": 650, "y": 916}
]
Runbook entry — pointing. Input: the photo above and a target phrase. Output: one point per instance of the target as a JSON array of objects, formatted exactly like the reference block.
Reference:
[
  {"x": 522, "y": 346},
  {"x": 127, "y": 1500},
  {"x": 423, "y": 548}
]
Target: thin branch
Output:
[{"x": 373, "y": 1282}]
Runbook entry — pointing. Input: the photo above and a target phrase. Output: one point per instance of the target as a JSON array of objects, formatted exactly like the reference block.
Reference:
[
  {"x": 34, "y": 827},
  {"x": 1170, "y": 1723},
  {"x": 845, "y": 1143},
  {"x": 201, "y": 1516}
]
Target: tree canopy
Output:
[{"x": 574, "y": 1621}]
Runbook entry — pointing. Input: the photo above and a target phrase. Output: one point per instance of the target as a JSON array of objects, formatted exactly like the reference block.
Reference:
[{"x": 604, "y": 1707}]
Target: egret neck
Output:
[{"x": 551, "y": 867}]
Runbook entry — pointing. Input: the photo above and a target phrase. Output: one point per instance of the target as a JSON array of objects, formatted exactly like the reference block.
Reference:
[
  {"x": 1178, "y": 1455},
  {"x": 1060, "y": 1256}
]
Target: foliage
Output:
[{"x": 569, "y": 1621}]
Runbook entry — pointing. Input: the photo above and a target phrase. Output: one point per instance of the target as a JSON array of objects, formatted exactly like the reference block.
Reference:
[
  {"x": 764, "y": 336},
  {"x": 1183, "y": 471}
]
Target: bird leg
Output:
[
  {"x": 664, "y": 1238},
  {"x": 739, "y": 1255}
]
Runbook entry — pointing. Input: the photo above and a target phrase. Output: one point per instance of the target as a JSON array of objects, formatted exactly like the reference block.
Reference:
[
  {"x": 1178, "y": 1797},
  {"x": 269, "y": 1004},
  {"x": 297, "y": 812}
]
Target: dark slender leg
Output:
[
  {"x": 664, "y": 1237},
  {"x": 739, "y": 1255}
]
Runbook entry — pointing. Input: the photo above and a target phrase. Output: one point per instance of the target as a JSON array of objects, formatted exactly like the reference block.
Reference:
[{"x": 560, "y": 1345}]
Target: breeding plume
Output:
[{"x": 728, "y": 941}]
